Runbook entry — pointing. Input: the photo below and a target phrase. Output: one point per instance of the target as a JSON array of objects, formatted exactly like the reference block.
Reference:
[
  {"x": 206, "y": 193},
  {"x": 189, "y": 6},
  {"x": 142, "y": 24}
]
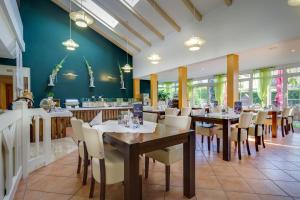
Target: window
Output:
[
  {"x": 169, "y": 87},
  {"x": 98, "y": 13},
  {"x": 200, "y": 95},
  {"x": 132, "y": 3},
  {"x": 294, "y": 90},
  {"x": 244, "y": 76},
  {"x": 293, "y": 70},
  {"x": 244, "y": 87}
]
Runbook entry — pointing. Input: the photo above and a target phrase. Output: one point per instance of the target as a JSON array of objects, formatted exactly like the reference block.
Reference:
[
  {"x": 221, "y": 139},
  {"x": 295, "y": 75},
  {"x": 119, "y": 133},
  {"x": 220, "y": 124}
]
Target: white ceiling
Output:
[
  {"x": 277, "y": 54},
  {"x": 241, "y": 28}
]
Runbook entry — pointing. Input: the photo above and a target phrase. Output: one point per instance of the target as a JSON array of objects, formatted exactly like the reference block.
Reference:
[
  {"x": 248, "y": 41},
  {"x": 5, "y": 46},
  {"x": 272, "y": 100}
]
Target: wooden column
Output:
[
  {"x": 136, "y": 88},
  {"x": 182, "y": 87},
  {"x": 153, "y": 89},
  {"x": 232, "y": 79}
]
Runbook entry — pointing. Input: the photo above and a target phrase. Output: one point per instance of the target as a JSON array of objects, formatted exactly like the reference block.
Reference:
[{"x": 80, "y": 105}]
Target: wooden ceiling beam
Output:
[
  {"x": 164, "y": 15},
  {"x": 126, "y": 25},
  {"x": 103, "y": 33},
  {"x": 193, "y": 9},
  {"x": 228, "y": 2},
  {"x": 143, "y": 20}
]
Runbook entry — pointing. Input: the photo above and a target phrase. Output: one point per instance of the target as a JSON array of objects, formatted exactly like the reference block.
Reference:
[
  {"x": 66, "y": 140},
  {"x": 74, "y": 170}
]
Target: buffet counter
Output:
[{"x": 108, "y": 113}]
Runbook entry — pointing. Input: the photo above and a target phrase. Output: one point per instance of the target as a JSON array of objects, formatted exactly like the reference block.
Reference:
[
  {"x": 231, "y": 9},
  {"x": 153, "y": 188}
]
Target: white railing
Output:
[{"x": 16, "y": 158}]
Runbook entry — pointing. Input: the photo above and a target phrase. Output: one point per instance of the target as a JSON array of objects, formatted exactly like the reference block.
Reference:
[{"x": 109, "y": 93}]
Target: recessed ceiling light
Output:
[
  {"x": 154, "y": 58},
  {"x": 293, "y": 50},
  {"x": 294, "y": 2}
]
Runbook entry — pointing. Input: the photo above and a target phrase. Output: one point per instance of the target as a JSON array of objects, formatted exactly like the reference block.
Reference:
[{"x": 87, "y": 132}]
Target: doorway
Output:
[{"x": 6, "y": 91}]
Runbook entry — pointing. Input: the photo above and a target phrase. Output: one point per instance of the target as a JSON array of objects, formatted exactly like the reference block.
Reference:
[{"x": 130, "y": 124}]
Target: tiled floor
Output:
[{"x": 273, "y": 173}]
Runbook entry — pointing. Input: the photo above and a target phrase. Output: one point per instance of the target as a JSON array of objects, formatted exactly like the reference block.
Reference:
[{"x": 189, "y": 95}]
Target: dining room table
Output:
[
  {"x": 134, "y": 142},
  {"x": 224, "y": 119}
]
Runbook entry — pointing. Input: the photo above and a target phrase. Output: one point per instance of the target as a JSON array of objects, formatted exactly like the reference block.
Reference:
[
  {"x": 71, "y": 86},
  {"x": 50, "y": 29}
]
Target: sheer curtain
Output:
[{"x": 264, "y": 83}]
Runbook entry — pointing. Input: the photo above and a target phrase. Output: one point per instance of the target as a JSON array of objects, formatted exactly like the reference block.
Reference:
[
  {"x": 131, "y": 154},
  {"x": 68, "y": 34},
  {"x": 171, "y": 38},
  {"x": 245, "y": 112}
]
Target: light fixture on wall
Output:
[
  {"x": 81, "y": 18},
  {"x": 127, "y": 68},
  {"x": 195, "y": 42},
  {"x": 154, "y": 59},
  {"x": 70, "y": 44},
  {"x": 294, "y": 2}
]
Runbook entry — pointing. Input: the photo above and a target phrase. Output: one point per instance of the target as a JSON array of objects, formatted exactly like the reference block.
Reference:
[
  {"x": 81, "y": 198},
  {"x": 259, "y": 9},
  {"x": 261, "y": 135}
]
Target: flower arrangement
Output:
[
  {"x": 55, "y": 71},
  {"x": 90, "y": 71}
]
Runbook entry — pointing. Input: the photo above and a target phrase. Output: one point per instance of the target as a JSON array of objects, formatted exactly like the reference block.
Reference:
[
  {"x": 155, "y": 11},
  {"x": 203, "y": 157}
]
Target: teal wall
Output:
[
  {"x": 145, "y": 86},
  {"x": 46, "y": 26}
]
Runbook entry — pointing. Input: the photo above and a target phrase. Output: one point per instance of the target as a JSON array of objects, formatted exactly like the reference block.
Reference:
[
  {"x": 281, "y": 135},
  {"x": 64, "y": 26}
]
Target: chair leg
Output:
[
  {"x": 256, "y": 138},
  {"x": 79, "y": 164},
  {"x": 263, "y": 140},
  {"x": 168, "y": 171},
  {"x": 92, "y": 187},
  {"x": 212, "y": 138},
  {"x": 218, "y": 145},
  {"x": 239, "y": 144},
  {"x": 153, "y": 160},
  {"x": 208, "y": 143},
  {"x": 248, "y": 148},
  {"x": 146, "y": 166},
  {"x": 85, "y": 164},
  {"x": 292, "y": 126},
  {"x": 282, "y": 128},
  {"x": 202, "y": 138},
  {"x": 141, "y": 186},
  {"x": 102, "y": 179}
]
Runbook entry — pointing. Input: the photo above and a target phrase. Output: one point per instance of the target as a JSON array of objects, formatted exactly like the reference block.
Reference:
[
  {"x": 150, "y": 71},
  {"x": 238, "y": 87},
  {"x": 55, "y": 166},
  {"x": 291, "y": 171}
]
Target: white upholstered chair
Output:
[
  {"x": 239, "y": 132},
  {"x": 257, "y": 128},
  {"x": 82, "y": 151},
  {"x": 185, "y": 111},
  {"x": 150, "y": 117},
  {"x": 171, "y": 111},
  {"x": 171, "y": 154},
  {"x": 107, "y": 164}
]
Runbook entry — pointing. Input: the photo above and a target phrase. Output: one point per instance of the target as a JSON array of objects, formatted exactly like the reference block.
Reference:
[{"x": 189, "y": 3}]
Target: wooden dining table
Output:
[
  {"x": 223, "y": 119},
  {"x": 132, "y": 145}
]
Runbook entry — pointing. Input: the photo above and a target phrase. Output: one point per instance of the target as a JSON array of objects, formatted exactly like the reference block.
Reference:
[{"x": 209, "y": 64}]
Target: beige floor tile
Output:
[
  {"x": 224, "y": 171},
  {"x": 62, "y": 185},
  {"x": 37, "y": 195},
  {"x": 272, "y": 197},
  {"x": 246, "y": 172},
  {"x": 205, "y": 194},
  {"x": 241, "y": 196},
  {"x": 278, "y": 175},
  {"x": 294, "y": 174},
  {"x": 292, "y": 188},
  {"x": 176, "y": 193},
  {"x": 265, "y": 187},
  {"x": 208, "y": 182},
  {"x": 234, "y": 184}
]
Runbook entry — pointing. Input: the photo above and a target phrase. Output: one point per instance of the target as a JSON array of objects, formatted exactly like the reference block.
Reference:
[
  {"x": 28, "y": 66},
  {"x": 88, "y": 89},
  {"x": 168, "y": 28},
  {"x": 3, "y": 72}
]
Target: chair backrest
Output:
[
  {"x": 150, "y": 117},
  {"x": 181, "y": 122},
  {"x": 261, "y": 117},
  {"x": 171, "y": 111},
  {"x": 245, "y": 119},
  {"x": 185, "y": 111},
  {"x": 285, "y": 112},
  {"x": 76, "y": 127},
  {"x": 216, "y": 109},
  {"x": 93, "y": 140},
  {"x": 198, "y": 112},
  {"x": 292, "y": 112}
]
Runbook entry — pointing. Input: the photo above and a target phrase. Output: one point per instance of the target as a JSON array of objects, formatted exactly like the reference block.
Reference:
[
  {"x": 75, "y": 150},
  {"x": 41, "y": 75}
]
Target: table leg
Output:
[
  {"x": 189, "y": 166},
  {"x": 131, "y": 173},
  {"x": 274, "y": 124},
  {"x": 226, "y": 140}
]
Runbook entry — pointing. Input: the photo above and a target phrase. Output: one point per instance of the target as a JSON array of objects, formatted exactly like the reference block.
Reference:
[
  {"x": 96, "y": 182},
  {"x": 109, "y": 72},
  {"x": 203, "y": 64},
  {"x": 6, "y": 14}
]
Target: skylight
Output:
[
  {"x": 132, "y": 3},
  {"x": 97, "y": 12}
]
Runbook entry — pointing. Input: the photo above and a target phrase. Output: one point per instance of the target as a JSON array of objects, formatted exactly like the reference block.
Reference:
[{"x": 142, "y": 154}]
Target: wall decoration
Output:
[
  {"x": 90, "y": 71},
  {"x": 53, "y": 75},
  {"x": 122, "y": 79}
]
